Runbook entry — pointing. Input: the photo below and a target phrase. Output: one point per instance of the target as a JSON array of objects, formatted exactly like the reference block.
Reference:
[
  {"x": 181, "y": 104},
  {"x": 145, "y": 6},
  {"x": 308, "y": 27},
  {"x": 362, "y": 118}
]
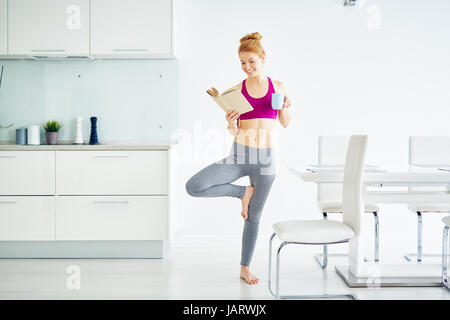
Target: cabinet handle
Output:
[
  {"x": 5, "y": 157},
  {"x": 8, "y": 202},
  {"x": 111, "y": 156},
  {"x": 130, "y": 50},
  {"x": 109, "y": 202},
  {"x": 50, "y": 50}
]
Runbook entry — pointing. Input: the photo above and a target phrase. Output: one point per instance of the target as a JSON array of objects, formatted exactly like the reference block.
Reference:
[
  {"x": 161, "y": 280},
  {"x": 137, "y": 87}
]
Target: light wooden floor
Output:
[{"x": 210, "y": 272}]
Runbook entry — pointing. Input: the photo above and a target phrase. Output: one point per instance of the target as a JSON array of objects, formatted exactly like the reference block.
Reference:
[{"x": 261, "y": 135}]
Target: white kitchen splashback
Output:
[{"x": 132, "y": 99}]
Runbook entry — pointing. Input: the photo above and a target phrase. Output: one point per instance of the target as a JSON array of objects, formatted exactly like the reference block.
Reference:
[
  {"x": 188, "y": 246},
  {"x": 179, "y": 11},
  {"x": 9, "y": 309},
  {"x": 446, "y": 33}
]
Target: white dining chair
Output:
[
  {"x": 331, "y": 152},
  {"x": 445, "y": 246},
  {"x": 320, "y": 232},
  {"x": 427, "y": 153}
]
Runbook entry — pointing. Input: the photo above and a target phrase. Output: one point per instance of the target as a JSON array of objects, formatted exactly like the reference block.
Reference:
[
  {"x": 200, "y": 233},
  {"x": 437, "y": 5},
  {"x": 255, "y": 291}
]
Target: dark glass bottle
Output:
[{"x": 93, "y": 138}]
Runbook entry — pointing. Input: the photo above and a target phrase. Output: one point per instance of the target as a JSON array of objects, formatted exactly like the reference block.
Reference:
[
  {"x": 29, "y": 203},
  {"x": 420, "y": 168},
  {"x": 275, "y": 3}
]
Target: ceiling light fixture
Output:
[{"x": 350, "y": 3}]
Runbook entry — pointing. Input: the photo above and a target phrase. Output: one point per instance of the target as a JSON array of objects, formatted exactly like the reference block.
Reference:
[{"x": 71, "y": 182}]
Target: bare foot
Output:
[
  {"x": 246, "y": 200},
  {"x": 247, "y": 276}
]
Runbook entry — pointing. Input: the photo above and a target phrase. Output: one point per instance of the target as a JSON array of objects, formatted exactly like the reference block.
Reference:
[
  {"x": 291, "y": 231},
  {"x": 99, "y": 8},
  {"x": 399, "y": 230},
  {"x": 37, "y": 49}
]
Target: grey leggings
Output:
[{"x": 215, "y": 181}]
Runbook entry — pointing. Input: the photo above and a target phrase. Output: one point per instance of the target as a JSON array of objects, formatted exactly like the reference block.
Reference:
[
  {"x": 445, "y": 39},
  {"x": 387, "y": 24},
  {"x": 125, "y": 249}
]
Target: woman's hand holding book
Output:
[{"x": 232, "y": 116}]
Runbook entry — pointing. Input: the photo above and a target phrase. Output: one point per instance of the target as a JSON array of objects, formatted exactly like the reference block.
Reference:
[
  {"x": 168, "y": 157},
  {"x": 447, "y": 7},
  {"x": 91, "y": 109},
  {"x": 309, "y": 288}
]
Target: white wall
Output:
[{"x": 345, "y": 71}]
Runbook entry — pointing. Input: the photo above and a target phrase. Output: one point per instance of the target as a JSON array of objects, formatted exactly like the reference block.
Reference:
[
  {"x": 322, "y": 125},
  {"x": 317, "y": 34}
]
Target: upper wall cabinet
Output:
[
  {"x": 131, "y": 28},
  {"x": 48, "y": 27},
  {"x": 3, "y": 25}
]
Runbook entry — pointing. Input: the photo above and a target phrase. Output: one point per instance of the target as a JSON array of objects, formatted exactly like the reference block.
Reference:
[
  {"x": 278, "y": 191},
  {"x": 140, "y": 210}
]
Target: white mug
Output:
[{"x": 277, "y": 101}]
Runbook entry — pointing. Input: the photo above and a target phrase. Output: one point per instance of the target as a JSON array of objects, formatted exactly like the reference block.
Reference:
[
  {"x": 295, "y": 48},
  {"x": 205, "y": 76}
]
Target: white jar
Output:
[{"x": 34, "y": 135}]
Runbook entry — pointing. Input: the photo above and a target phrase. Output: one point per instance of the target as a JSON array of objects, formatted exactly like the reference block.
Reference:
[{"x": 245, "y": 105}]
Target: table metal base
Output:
[
  {"x": 412, "y": 257},
  {"x": 386, "y": 281},
  {"x": 319, "y": 257}
]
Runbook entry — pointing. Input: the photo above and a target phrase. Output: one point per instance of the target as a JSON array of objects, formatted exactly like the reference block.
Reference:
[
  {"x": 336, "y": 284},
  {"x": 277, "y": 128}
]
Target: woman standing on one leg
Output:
[{"x": 253, "y": 152}]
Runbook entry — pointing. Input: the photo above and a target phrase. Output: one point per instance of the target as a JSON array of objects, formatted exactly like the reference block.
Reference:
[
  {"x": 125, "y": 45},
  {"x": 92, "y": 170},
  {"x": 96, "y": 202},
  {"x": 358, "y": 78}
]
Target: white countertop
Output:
[{"x": 104, "y": 145}]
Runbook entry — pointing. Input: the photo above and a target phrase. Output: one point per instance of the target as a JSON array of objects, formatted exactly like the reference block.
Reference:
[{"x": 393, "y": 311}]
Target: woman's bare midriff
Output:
[{"x": 256, "y": 133}]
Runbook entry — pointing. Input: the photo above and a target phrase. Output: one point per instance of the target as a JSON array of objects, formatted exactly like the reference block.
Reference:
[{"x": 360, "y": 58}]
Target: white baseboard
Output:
[{"x": 205, "y": 240}]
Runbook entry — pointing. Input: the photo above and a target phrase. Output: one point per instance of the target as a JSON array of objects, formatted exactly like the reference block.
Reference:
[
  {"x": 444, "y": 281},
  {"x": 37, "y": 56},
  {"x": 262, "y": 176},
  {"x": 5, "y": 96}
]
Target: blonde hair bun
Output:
[
  {"x": 251, "y": 36},
  {"x": 251, "y": 43}
]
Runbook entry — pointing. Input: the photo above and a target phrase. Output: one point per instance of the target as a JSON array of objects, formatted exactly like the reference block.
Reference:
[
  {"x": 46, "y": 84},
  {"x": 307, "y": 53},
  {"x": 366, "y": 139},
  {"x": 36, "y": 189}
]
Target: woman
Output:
[{"x": 252, "y": 153}]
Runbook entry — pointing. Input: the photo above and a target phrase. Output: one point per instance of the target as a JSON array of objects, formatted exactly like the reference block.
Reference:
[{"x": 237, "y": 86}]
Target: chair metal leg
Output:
[
  {"x": 277, "y": 295},
  {"x": 377, "y": 237},
  {"x": 277, "y": 271},
  {"x": 325, "y": 256},
  {"x": 270, "y": 264},
  {"x": 445, "y": 257},
  {"x": 419, "y": 255},
  {"x": 322, "y": 259},
  {"x": 419, "y": 236}
]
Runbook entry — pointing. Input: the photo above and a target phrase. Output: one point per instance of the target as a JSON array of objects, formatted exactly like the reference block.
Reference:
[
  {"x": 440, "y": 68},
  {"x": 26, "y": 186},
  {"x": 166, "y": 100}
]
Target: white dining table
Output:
[{"x": 361, "y": 273}]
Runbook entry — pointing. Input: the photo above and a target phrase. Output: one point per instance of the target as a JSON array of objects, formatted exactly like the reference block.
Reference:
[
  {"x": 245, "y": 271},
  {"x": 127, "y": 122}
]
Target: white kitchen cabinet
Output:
[
  {"x": 87, "y": 203},
  {"x": 112, "y": 218},
  {"x": 111, "y": 172},
  {"x": 27, "y": 218},
  {"x": 3, "y": 27},
  {"x": 131, "y": 28},
  {"x": 27, "y": 173},
  {"x": 48, "y": 27}
]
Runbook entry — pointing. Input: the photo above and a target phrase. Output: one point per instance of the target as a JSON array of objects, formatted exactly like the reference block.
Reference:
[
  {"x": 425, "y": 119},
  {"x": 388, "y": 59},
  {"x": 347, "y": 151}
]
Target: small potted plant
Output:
[{"x": 51, "y": 131}]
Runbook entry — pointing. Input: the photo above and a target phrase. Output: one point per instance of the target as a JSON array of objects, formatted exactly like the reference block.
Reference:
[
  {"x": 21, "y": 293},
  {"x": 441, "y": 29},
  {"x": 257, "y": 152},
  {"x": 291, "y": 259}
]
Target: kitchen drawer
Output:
[
  {"x": 111, "y": 218},
  {"x": 27, "y": 218},
  {"x": 27, "y": 173},
  {"x": 111, "y": 172}
]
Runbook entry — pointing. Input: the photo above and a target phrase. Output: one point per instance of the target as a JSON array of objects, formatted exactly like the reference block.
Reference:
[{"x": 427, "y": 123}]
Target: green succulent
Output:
[{"x": 52, "y": 126}]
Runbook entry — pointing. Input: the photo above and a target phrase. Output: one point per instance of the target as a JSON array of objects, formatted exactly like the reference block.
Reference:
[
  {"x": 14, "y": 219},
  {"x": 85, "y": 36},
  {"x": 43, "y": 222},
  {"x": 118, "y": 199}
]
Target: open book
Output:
[{"x": 230, "y": 99}]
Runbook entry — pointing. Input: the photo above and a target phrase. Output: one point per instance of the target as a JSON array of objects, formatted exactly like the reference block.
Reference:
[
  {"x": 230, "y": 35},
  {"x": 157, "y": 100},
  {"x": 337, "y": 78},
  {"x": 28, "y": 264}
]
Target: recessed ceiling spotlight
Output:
[
  {"x": 347, "y": 3},
  {"x": 350, "y": 3}
]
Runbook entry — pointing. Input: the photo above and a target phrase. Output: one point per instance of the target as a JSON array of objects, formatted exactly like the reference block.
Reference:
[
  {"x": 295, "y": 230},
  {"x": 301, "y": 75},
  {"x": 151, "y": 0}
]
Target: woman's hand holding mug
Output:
[{"x": 286, "y": 103}]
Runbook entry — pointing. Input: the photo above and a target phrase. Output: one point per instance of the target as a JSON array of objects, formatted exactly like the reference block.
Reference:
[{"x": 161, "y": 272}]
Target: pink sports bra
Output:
[{"x": 262, "y": 107}]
